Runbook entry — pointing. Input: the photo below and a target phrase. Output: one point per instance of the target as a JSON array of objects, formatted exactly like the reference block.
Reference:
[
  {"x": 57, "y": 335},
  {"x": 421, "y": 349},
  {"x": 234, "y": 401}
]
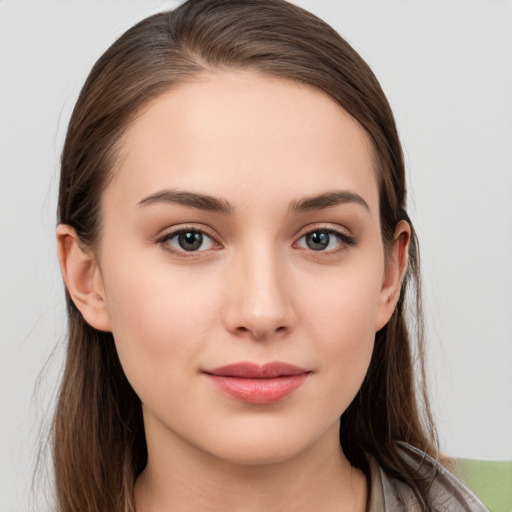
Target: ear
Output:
[
  {"x": 83, "y": 278},
  {"x": 394, "y": 271}
]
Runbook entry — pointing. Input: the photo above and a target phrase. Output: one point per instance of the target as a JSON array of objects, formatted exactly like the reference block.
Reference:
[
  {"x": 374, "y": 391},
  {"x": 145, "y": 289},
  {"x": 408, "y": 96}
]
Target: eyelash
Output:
[{"x": 343, "y": 239}]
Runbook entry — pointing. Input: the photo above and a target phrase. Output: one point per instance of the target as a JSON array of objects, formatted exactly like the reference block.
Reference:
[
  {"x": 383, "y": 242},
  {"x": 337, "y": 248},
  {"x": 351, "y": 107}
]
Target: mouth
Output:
[{"x": 256, "y": 384}]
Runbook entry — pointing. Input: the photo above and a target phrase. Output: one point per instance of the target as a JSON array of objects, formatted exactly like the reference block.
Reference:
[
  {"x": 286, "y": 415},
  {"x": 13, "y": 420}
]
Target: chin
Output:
[
  {"x": 258, "y": 454},
  {"x": 262, "y": 447}
]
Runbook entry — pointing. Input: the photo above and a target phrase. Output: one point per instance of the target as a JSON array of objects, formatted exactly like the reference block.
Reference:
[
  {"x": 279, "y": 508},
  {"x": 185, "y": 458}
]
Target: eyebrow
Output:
[
  {"x": 217, "y": 205},
  {"x": 191, "y": 199},
  {"x": 327, "y": 200}
]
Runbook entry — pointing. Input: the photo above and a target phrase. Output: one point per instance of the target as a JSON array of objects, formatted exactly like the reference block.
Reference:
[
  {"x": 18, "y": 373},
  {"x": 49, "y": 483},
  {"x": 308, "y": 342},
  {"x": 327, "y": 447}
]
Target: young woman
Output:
[{"x": 236, "y": 253}]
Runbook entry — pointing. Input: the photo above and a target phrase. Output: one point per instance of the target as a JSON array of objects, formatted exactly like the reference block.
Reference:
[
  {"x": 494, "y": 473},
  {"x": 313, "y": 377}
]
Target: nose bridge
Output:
[{"x": 260, "y": 302}]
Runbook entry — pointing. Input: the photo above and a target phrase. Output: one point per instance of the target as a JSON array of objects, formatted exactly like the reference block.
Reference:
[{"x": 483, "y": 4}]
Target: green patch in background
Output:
[{"x": 491, "y": 481}]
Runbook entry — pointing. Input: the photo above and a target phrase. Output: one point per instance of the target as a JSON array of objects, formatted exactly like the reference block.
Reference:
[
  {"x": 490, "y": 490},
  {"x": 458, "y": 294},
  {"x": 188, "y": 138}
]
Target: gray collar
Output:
[{"x": 446, "y": 493}]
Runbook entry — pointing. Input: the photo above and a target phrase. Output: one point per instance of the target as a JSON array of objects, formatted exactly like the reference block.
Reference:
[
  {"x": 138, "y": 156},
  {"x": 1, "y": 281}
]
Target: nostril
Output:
[{"x": 260, "y": 309}]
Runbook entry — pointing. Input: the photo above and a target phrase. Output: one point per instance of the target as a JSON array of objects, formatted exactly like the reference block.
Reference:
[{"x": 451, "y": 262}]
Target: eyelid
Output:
[
  {"x": 170, "y": 233},
  {"x": 344, "y": 236}
]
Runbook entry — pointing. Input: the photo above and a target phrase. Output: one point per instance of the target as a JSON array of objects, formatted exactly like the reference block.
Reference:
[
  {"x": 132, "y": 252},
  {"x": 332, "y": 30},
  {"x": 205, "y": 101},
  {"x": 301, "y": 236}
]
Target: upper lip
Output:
[{"x": 248, "y": 370}]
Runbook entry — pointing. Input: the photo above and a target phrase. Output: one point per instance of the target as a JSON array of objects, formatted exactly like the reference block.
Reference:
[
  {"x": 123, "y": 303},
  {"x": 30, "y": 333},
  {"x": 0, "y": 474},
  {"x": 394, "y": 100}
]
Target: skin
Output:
[{"x": 254, "y": 291}]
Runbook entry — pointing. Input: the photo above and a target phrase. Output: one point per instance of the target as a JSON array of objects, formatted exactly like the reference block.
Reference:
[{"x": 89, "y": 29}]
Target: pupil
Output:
[
  {"x": 190, "y": 241},
  {"x": 317, "y": 240}
]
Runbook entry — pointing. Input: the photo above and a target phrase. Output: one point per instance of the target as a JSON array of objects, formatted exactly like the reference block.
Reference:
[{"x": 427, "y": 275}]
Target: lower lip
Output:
[{"x": 259, "y": 391}]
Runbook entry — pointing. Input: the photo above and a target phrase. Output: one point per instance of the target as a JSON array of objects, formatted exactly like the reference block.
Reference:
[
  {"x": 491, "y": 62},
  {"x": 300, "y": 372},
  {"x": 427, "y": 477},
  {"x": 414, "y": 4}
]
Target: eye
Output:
[
  {"x": 187, "y": 240},
  {"x": 325, "y": 240}
]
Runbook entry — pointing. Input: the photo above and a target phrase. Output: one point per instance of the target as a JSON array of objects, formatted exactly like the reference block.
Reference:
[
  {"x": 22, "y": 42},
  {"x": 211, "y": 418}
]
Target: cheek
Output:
[
  {"x": 340, "y": 315},
  {"x": 160, "y": 320},
  {"x": 344, "y": 300}
]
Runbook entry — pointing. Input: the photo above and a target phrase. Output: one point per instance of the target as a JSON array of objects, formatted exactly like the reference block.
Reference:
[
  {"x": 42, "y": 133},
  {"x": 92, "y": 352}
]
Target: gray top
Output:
[{"x": 447, "y": 493}]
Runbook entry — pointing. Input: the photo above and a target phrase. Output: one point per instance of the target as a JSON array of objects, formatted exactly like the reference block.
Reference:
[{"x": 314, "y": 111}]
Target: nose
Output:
[{"x": 260, "y": 299}]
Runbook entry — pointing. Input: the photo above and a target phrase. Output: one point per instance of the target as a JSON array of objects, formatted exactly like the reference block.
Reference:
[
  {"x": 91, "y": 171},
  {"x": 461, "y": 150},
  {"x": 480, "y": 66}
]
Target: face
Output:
[{"x": 242, "y": 265}]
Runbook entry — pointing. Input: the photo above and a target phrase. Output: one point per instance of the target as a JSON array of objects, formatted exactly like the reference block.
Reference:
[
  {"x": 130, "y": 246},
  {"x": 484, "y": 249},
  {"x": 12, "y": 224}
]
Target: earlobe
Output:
[
  {"x": 82, "y": 277},
  {"x": 394, "y": 271}
]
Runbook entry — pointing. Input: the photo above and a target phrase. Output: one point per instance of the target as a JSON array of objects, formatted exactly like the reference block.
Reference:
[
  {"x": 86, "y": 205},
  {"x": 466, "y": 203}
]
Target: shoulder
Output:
[{"x": 446, "y": 492}]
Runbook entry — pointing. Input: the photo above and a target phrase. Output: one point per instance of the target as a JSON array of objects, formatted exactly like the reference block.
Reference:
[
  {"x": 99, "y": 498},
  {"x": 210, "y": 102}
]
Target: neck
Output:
[{"x": 179, "y": 477}]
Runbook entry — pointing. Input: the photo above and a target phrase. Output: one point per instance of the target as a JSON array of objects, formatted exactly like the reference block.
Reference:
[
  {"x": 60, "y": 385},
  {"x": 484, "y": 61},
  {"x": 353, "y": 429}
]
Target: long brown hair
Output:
[{"x": 98, "y": 436}]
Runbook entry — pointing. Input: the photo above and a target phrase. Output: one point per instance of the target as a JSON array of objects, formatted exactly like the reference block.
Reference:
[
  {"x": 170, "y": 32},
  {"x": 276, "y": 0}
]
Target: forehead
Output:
[{"x": 248, "y": 136}]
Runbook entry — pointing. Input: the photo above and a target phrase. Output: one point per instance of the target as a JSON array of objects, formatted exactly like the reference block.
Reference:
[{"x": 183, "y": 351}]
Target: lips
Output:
[{"x": 255, "y": 384}]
